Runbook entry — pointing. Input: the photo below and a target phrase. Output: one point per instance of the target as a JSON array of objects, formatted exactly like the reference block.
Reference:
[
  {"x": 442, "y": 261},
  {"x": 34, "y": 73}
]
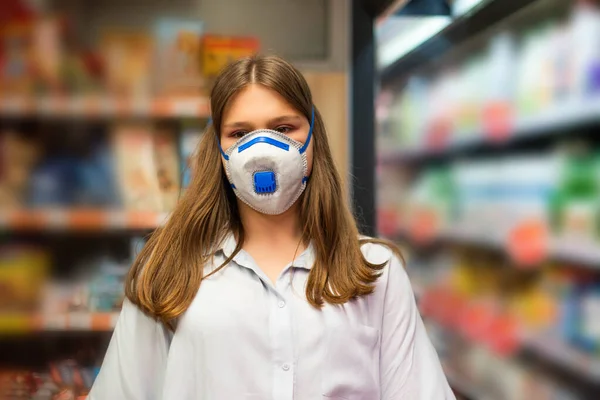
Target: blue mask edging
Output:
[
  {"x": 264, "y": 139},
  {"x": 245, "y": 146},
  {"x": 312, "y": 123}
]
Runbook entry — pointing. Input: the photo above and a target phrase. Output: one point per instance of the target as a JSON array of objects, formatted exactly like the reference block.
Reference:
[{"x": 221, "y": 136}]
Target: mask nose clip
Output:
[{"x": 264, "y": 182}]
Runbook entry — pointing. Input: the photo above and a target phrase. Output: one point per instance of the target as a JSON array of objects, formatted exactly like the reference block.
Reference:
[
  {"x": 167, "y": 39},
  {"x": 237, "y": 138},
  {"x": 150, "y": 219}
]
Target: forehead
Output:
[{"x": 256, "y": 102}]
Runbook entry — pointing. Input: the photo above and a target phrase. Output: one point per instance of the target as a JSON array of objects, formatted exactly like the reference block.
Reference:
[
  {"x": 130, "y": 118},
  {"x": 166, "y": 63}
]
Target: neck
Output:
[{"x": 272, "y": 229}]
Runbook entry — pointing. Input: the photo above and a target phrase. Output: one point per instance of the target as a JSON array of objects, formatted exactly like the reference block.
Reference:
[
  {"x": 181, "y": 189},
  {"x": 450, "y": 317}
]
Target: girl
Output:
[{"x": 259, "y": 286}]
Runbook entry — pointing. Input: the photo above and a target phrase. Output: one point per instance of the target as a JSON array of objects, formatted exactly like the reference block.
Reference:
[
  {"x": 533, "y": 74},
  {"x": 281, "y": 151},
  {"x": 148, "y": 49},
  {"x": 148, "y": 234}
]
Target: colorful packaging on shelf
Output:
[
  {"x": 16, "y": 56},
  {"x": 18, "y": 157},
  {"x": 96, "y": 184},
  {"x": 49, "y": 54},
  {"x": 178, "y": 57},
  {"x": 219, "y": 51},
  {"x": 106, "y": 287},
  {"x": 23, "y": 271},
  {"x": 167, "y": 165},
  {"x": 576, "y": 205},
  {"x": 133, "y": 146},
  {"x": 188, "y": 142},
  {"x": 128, "y": 58}
]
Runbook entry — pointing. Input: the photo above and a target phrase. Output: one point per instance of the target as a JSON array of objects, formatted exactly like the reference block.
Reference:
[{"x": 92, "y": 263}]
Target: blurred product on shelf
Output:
[
  {"x": 166, "y": 156},
  {"x": 76, "y": 174},
  {"x": 218, "y": 51},
  {"x": 128, "y": 59},
  {"x": 178, "y": 57},
  {"x": 23, "y": 272},
  {"x": 18, "y": 157},
  {"x": 546, "y": 75},
  {"x": 48, "y": 39},
  {"x": 16, "y": 66},
  {"x": 133, "y": 145},
  {"x": 190, "y": 137},
  {"x": 576, "y": 203}
]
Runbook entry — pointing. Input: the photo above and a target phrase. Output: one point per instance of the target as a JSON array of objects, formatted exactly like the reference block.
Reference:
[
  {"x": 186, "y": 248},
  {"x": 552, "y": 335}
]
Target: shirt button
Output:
[
  {"x": 285, "y": 367},
  {"x": 281, "y": 304}
]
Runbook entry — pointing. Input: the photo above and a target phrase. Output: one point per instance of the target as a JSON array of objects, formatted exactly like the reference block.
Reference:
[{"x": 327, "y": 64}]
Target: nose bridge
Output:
[{"x": 264, "y": 139}]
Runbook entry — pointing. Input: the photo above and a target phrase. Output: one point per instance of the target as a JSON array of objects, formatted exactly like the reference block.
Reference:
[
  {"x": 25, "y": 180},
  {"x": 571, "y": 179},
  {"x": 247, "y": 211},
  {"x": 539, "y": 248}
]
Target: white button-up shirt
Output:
[{"x": 244, "y": 337}]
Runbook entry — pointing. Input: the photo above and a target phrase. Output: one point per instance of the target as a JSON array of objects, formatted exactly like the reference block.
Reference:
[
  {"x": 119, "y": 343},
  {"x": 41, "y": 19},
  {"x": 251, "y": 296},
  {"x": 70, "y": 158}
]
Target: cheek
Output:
[{"x": 227, "y": 142}]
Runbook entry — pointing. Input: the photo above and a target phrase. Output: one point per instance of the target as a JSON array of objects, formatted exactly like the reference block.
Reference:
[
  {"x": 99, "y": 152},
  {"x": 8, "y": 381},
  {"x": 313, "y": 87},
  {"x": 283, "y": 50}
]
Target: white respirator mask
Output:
[{"x": 267, "y": 169}]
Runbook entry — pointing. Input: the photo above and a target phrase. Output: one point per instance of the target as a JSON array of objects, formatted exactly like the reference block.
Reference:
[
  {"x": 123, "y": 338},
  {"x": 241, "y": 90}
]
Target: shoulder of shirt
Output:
[{"x": 377, "y": 253}]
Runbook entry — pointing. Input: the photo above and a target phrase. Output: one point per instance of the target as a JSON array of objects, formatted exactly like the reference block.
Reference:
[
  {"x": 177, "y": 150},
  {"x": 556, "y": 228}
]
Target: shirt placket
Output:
[
  {"x": 282, "y": 340},
  {"x": 280, "y": 328}
]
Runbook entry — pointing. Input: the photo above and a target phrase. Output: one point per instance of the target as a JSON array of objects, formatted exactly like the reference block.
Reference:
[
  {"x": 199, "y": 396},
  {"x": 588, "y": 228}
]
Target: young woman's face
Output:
[{"x": 256, "y": 107}]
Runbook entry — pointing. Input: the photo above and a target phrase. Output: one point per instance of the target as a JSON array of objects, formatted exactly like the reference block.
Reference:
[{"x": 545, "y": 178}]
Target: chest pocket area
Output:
[{"x": 351, "y": 368}]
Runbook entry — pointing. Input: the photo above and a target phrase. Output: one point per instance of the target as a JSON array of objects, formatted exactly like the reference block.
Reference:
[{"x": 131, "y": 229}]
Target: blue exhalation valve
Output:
[{"x": 264, "y": 182}]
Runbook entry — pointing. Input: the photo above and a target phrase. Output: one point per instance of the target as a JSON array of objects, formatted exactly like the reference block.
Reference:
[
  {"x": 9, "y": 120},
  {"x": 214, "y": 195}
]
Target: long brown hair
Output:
[{"x": 168, "y": 272}]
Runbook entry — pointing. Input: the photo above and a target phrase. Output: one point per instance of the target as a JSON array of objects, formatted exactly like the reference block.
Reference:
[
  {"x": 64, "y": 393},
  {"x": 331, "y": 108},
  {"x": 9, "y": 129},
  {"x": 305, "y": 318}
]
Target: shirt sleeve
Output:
[
  {"x": 134, "y": 364},
  {"x": 410, "y": 367}
]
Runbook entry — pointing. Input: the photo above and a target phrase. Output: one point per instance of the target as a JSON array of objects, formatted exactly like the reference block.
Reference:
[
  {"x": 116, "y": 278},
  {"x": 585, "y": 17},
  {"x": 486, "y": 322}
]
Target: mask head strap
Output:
[
  {"x": 312, "y": 123},
  {"x": 302, "y": 149},
  {"x": 225, "y": 156}
]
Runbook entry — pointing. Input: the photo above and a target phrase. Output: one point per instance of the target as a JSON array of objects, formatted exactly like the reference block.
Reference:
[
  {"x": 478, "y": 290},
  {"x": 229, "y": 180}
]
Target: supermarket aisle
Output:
[{"x": 489, "y": 173}]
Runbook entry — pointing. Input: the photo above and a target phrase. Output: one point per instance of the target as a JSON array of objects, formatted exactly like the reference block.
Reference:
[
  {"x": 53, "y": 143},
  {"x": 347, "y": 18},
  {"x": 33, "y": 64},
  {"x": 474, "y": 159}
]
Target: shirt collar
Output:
[{"x": 305, "y": 260}]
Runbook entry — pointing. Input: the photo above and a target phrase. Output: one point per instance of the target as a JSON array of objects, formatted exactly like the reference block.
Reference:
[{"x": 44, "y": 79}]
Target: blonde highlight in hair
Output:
[{"x": 168, "y": 272}]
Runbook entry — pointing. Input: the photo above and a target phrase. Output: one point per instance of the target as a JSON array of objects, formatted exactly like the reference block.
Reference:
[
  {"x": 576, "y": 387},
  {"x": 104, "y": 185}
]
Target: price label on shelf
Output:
[
  {"x": 387, "y": 224},
  {"x": 80, "y": 321},
  {"x": 476, "y": 321},
  {"x": 47, "y": 105},
  {"x": 187, "y": 108},
  {"x": 117, "y": 219},
  {"x": 529, "y": 243},
  {"x": 424, "y": 225},
  {"x": 57, "y": 219},
  {"x": 27, "y": 219},
  {"x": 498, "y": 121},
  {"x": 54, "y": 322},
  {"x": 76, "y": 106},
  {"x": 141, "y": 107},
  {"x": 439, "y": 134},
  {"x": 14, "y": 105},
  {"x": 503, "y": 335}
]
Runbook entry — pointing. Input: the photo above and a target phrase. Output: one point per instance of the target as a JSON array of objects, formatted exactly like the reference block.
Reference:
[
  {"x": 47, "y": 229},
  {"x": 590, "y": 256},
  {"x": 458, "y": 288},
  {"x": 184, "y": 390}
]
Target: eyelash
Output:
[{"x": 281, "y": 129}]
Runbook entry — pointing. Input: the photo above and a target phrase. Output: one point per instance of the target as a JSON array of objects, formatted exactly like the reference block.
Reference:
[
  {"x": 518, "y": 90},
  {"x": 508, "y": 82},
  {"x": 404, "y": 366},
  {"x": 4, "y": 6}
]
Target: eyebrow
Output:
[{"x": 270, "y": 122}]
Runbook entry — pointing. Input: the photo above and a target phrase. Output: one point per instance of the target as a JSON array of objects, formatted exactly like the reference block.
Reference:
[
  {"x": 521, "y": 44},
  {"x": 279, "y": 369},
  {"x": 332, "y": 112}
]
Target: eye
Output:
[
  {"x": 238, "y": 134},
  {"x": 283, "y": 129}
]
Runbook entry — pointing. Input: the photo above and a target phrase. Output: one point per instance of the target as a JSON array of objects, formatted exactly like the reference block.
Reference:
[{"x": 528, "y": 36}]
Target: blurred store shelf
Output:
[
  {"x": 553, "y": 351},
  {"x": 77, "y": 220},
  {"x": 74, "y": 321},
  {"x": 551, "y": 123},
  {"x": 556, "y": 352},
  {"x": 462, "y": 385},
  {"x": 104, "y": 106},
  {"x": 579, "y": 252}
]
